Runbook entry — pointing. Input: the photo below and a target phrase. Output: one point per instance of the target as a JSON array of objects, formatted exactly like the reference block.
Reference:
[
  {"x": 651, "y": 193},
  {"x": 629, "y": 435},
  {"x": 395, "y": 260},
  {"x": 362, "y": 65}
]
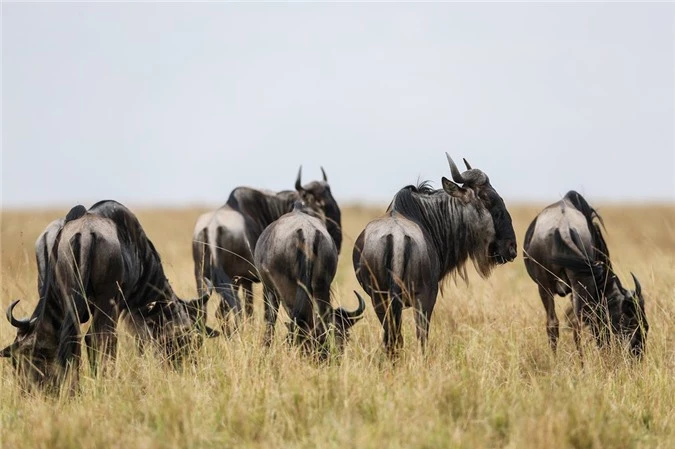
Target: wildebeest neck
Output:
[{"x": 456, "y": 230}]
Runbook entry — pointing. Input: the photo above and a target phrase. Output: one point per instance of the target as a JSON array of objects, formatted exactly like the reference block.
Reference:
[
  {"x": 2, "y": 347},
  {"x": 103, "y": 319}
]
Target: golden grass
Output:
[{"x": 489, "y": 379}]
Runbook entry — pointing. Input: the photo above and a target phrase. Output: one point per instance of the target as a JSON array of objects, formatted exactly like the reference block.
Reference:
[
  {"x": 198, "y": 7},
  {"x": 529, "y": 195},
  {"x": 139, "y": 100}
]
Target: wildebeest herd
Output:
[{"x": 98, "y": 266}]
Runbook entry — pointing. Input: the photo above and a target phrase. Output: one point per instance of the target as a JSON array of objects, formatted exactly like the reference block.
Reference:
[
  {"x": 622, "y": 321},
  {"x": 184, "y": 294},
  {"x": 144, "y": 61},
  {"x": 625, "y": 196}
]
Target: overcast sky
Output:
[{"x": 178, "y": 103}]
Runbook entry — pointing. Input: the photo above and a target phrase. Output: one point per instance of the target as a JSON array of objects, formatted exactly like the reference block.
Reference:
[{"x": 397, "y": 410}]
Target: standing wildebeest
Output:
[
  {"x": 223, "y": 240},
  {"x": 401, "y": 258},
  {"x": 296, "y": 259},
  {"x": 565, "y": 252},
  {"x": 101, "y": 264}
]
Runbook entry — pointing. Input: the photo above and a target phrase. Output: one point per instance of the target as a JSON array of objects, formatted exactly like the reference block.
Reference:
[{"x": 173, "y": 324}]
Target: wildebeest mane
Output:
[
  {"x": 446, "y": 223},
  {"x": 260, "y": 208}
]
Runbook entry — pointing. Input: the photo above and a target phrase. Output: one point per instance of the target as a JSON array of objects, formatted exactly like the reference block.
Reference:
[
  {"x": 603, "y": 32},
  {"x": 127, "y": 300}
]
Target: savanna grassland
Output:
[{"x": 489, "y": 378}]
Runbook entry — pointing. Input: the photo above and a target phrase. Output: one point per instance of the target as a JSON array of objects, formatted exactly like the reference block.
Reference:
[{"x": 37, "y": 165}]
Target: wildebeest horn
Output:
[
  {"x": 456, "y": 175},
  {"x": 323, "y": 172},
  {"x": 638, "y": 287},
  {"x": 298, "y": 184},
  {"x": 468, "y": 167},
  {"x": 355, "y": 314},
  {"x": 23, "y": 323},
  {"x": 201, "y": 302}
]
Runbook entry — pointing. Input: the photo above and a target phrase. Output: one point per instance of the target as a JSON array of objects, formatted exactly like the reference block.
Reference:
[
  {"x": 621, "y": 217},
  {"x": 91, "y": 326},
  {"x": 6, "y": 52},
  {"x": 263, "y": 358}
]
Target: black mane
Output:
[{"x": 447, "y": 223}]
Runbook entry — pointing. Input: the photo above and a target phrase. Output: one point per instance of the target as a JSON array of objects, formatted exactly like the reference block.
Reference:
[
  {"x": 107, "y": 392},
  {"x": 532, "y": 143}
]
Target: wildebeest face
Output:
[
  {"x": 344, "y": 320},
  {"x": 633, "y": 324},
  {"x": 34, "y": 359},
  {"x": 323, "y": 338},
  {"x": 178, "y": 325},
  {"x": 504, "y": 247}
]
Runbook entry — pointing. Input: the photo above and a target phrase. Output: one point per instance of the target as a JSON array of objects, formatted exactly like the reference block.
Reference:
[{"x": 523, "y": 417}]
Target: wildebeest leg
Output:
[
  {"x": 552, "y": 324},
  {"x": 389, "y": 314},
  {"x": 271, "y": 310},
  {"x": 575, "y": 321},
  {"x": 247, "y": 295},
  {"x": 102, "y": 337},
  {"x": 423, "y": 311},
  {"x": 229, "y": 309}
]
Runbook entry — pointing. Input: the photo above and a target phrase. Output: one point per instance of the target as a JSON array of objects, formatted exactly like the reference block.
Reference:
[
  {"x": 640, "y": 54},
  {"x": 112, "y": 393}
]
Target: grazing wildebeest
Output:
[
  {"x": 101, "y": 264},
  {"x": 401, "y": 258},
  {"x": 223, "y": 240},
  {"x": 565, "y": 252},
  {"x": 296, "y": 259}
]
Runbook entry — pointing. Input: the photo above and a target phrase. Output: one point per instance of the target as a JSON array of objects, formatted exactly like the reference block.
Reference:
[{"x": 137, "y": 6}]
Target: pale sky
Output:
[{"x": 175, "y": 104}]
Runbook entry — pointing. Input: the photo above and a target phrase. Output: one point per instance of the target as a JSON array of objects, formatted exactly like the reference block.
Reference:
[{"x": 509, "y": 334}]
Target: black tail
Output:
[
  {"x": 81, "y": 271},
  {"x": 201, "y": 254},
  {"x": 393, "y": 284},
  {"x": 303, "y": 297},
  {"x": 583, "y": 266},
  {"x": 601, "y": 252}
]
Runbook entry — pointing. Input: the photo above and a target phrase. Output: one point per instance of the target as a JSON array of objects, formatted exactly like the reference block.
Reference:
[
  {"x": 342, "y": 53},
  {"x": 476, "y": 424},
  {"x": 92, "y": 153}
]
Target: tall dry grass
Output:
[{"x": 488, "y": 380}]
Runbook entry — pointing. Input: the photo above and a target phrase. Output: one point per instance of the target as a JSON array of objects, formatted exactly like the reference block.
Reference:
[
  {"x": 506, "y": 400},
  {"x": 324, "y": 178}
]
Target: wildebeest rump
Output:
[
  {"x": 101, "y": 264},
  {"x": 565, "y": 252},
  {"x": 426, "y": 234},
  {"x": 223, "y": 240},
  {"x": 297, "y": 260}
]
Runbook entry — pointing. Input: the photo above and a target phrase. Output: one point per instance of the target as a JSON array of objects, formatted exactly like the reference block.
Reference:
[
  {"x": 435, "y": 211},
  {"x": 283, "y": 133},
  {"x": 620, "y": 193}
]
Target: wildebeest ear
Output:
[{"x": 451, "y": 188}]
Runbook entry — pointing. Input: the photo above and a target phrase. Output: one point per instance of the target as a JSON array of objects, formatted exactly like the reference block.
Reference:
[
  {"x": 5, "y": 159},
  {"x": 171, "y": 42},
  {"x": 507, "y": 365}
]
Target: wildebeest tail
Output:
[
  {"x": 601, "y": 252},
  {"x": 304, "y": 266},
  {"x": 395, "y": 280},
  {"x": 81, "y": 273},
  {"x": 575, "y": 261},
  {"x": 201, "y": 254}
]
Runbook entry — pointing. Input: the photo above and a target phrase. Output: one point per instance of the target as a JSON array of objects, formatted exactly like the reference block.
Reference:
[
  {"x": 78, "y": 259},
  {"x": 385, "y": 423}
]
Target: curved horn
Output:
[
  {"x": 298, "y": 184},
  {"x": 456, "y": 175},
  {"x": 23, "y": 323},
  {"x": 323, "y": 172},
  {"x": 201, "y": 302},
  {"x": 355, "y": 314},
  {"x": 468, "y": 167},
  {"x": 638, "y": 287}
]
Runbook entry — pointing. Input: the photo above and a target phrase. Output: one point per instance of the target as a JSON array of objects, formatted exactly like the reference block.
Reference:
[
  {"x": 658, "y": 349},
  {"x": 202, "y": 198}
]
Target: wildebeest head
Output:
[
  {"x": 632, "y": 323},
  {"x": 33, "y": 358},
  {"x": 317, "y": 195},
  {"x": 315, "y": 338},
  {"x": 343, "y": 320},
  {"x": 476, "y": 188},
  {"x": 178, "y": 325}
]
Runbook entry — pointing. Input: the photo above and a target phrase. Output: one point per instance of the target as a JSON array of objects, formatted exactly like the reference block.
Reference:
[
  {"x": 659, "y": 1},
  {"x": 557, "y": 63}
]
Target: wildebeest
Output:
[
  {"x": 565, "y": 252},
  {"x": 401, "y": 258},
  {"x": 297, "y": 259},
  {"x": 223, "y": 240},
  {"x": 101, "y": 264}
]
